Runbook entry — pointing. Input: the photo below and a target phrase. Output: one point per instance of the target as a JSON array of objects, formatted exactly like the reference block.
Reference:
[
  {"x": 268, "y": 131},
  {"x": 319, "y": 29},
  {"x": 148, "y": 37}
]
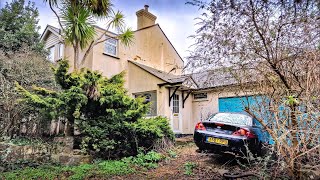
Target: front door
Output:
[{"x": 176, "y": 114}]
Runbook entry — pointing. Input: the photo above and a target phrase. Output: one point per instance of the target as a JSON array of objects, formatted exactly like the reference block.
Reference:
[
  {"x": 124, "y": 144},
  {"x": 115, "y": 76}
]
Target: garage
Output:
[
  {"x": 238, "y": 104},
  {"x": 235, "y": 104}
]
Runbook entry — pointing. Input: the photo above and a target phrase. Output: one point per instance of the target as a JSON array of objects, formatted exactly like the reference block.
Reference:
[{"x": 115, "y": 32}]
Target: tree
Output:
[
  {"x": 76, "y": 19},
  {"x": 28, "y": 70},
  {"x": 18, "y": 28},
  {"x": 273, "y": 45}
]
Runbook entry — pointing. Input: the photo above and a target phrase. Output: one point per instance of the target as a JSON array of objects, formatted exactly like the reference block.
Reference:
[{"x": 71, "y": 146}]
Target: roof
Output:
[
  {"x": 167, "y": 77},
  {"x": 205, "y": 80},
  {"x": 51, "y": 29},
  {"x": 222, "y": 77}
]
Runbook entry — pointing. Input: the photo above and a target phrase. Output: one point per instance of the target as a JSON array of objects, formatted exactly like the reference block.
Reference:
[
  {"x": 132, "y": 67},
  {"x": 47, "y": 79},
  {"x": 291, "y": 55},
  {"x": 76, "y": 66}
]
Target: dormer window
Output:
[{"x": 111, "y": 46}]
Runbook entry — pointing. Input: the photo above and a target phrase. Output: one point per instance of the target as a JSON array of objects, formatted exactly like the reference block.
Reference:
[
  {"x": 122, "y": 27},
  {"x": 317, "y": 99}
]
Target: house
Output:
[{"x": 153, "y": 70}]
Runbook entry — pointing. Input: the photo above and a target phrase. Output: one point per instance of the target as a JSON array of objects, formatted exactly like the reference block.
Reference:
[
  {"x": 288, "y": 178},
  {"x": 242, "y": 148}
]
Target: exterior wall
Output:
[
  {"x": 152, "y": 48},
  {"x": 187, "y": 116},
  {"x": 53, "y": 40},
  {"x": 107, "y": 64},
  {"x": 142, "y": 81}
]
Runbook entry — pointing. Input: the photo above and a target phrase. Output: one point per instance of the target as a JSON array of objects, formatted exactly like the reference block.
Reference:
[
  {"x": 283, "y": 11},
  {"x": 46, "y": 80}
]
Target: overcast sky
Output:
[{"x": 174, "y": 16}]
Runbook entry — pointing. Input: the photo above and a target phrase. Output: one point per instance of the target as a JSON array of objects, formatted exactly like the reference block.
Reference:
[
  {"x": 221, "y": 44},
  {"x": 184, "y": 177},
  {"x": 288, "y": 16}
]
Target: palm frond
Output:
[
  {"x": 126, "y": 37},
  {"x": 78, "y": 24},
  {"x": 117, "y": 21},
  {"x": 99, "y": 8}
]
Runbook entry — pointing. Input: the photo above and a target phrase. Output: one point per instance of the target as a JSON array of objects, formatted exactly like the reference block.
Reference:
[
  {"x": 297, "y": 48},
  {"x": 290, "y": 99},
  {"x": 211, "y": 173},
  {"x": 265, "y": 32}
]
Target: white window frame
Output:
[
  {"x": 108, "y": 43},
  {"x": 61, "y": 50}
]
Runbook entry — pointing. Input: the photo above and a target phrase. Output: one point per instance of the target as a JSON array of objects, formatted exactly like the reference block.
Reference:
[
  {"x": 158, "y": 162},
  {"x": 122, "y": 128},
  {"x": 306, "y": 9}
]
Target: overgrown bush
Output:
[
  {"x": 108, "y": 119},
  {"x": 127, "y": 138},
  {"x": 150, "y": 132},
  {"x": 28, "y": 70}
]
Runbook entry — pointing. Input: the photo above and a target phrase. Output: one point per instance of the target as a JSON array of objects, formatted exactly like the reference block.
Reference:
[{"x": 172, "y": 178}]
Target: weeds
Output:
[
  {"x": 149, "y": 160},
  {"x": 97, "y": 169},
  {"x": 188, "y": 168}
]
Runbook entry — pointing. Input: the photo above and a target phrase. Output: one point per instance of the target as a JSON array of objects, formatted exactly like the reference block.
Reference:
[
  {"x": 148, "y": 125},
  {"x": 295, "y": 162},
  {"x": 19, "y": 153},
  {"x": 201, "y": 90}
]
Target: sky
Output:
[{"x": 174, "y": 17}]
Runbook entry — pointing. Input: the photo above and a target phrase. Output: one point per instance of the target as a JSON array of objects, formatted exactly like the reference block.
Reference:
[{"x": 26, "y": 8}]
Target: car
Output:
[{"x": 228, "y": 131}]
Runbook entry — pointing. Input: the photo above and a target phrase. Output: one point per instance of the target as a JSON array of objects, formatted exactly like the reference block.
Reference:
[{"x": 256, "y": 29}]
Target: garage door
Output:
[
  {"x": 235, "y": 104},
  {"x": 238, "y": 104}
]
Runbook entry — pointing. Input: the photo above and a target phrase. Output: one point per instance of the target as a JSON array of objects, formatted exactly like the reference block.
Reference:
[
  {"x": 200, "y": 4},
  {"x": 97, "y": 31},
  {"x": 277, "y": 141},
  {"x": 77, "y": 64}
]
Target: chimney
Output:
[{"x": 145, "y": 18}]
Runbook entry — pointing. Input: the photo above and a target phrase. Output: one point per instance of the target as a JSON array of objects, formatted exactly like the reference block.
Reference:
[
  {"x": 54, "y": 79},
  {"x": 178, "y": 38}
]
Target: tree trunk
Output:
[
  {"x": 76, "y": 57},
  {"x": 69, "y": 128}
]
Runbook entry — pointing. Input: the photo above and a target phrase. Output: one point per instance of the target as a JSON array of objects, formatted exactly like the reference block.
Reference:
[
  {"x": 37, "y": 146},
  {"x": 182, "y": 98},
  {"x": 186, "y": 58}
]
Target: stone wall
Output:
[
  {"x": 39, "y": 152},
  {"x": 60, "y": 150}
]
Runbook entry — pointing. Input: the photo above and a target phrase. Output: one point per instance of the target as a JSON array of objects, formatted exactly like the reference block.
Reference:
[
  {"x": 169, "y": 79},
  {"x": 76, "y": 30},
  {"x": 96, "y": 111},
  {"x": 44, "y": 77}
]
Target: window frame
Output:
[
  {"x": 108, "y": 43},
  {"x": 52, "y": 50},
  {"x": 150, "y": 97},
  {"x": 61, "y": 54}
]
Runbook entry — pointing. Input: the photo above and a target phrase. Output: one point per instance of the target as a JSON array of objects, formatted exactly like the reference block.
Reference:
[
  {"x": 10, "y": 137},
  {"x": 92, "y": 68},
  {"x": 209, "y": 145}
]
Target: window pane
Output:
[
  {"x": 110, "y": 49},
  {"x": 51, "y": 54},
  {"x": 150, "y": 97},
  {"x": 112, "y": 41},
  {"x": 111, "y": 46},
  {"x": 175, "y": 103}
]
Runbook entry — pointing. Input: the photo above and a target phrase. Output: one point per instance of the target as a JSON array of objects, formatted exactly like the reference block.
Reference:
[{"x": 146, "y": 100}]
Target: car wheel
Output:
[{"x": 258, "y": 149}]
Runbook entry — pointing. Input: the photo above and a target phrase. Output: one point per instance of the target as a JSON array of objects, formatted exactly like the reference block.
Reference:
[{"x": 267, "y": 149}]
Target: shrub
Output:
[
  {"x": 151, "y": 131},
  {"x": 149, "y": 160}
]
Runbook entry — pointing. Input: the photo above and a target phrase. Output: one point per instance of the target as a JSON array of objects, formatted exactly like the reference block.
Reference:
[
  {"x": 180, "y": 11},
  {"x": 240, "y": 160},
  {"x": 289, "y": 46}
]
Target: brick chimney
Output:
[{"x": 145, "y": 18}]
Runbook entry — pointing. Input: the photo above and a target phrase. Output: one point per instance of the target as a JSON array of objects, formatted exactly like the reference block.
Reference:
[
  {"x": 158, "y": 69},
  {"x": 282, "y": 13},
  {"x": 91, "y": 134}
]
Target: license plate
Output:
[{"x": 217, "y": 141}]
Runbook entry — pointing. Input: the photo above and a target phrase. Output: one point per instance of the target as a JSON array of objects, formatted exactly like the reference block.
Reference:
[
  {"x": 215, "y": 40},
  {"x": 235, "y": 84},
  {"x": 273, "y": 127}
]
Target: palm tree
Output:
[{"x": 76, "y": 19}]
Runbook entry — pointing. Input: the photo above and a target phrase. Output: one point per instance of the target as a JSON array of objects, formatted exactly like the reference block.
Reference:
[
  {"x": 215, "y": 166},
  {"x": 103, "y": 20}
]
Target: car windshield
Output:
[{"x": 232, "y": 119}]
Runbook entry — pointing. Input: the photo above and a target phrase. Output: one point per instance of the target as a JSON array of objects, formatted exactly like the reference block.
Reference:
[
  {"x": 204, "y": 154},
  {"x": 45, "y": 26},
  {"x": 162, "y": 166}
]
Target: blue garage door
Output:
[
  {"x": 238, "y": 104},
  {"x": 235, "y": 104}
]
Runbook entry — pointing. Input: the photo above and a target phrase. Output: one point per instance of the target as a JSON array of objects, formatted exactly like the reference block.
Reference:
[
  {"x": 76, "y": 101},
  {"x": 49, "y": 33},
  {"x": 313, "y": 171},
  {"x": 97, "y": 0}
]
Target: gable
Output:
[
  {"x": 151, "y": 47},
  {"x": 51, "y": 36},
  {"x": 141, "y": 80},
  {"x": 51, "y": 40}
]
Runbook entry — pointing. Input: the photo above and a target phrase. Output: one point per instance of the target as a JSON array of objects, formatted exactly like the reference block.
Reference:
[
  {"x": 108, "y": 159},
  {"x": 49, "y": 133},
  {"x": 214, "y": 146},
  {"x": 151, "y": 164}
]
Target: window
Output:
[
  {"x": 61, "y": 50},
  {"x": 111, "y": 46},
  {"x": 175, "y": 103},
  {"x": 51, "y": 54},
  {"x": 150, "y": 97},
  {"x": 200, "y": 96}
]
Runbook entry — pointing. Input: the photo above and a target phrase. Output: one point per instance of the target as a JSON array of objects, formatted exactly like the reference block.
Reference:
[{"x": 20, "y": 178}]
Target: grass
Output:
[
  {"x": 104, "y": 168},
  {"x": 99, "y": 169}
]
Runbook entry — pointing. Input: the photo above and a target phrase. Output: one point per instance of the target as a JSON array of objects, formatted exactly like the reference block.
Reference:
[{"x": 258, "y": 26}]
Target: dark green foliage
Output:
[
  {"x": 149, "y": 160},
  {"x": 18, "y": 28},
  {"x": 149, "y": 131},
  {"x": 108, "y": 119}
]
